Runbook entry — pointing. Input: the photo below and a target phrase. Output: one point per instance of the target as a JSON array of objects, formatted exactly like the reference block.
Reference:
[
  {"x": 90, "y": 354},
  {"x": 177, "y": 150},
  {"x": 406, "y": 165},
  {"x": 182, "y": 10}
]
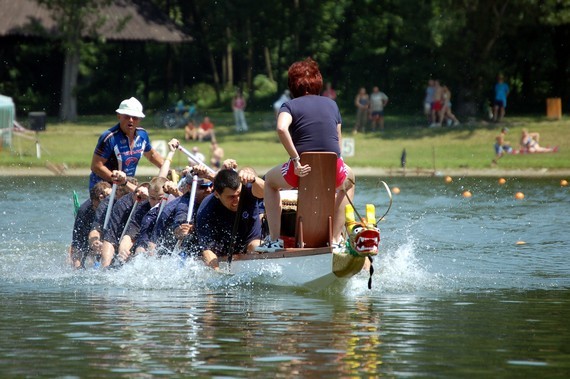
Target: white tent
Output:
[{"x": 7, "y": 115}]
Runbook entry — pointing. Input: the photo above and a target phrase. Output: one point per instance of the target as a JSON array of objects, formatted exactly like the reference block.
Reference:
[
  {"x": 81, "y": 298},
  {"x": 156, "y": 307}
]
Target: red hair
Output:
[{"x": 305, "y": 78}]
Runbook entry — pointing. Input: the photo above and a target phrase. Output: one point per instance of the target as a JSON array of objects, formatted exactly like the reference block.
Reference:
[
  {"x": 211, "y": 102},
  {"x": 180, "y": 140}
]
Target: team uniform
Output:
[
  {"x": 119, "y": 216},
  {"x": 133, "y": 229},
  {"x": 214, "y": 223},
  {"x": 314, "y": 128},
  {"x": 113, "y": 145},
  {"x": 147, "y": 225},
  {"x": 82, "y": 227},
  {"x": 163, "y": 232}
]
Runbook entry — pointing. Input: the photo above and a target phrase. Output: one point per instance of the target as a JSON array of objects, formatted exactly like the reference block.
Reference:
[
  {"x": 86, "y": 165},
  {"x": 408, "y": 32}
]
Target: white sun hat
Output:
[{"x": 131, "y": 107}]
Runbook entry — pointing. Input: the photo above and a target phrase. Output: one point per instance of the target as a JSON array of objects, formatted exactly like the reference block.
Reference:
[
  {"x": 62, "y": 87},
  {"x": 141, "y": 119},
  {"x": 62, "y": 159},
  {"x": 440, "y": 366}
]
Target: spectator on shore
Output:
[
  {"x": 361, "y": 102},
  {"x": 378, "y": 101},
  {"x": 428, "y": 99},
  {"x": 285, "y": 97},
  {"x": 216, "y": 155},
  {"x": 206, "y": 130},
  {"x": 198, "y": 154},
  {"x": 447, "y": 115},
  {"x": 437, "y": 106},
  {"x": 238, "y": 107},
  {"x": 502, "y": 146},
  {"x": 190, "y": 131},
  {"x": 500, "y": 101},
  {"x": 329, "y": 92},
  {"x": 529, "y": 143}
]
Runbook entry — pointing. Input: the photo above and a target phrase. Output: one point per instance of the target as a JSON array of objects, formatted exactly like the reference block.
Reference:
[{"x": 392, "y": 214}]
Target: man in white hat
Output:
[{"x": 121, "y": 147}]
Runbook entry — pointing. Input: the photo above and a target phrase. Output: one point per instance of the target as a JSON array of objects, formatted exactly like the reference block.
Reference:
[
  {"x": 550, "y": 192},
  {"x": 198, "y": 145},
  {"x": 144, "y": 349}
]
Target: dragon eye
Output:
[{"x": 357, "y": 229}]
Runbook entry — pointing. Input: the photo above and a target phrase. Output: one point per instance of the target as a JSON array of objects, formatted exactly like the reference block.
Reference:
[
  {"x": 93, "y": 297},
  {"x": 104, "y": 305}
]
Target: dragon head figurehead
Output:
[{"x": 364, "y": 235}]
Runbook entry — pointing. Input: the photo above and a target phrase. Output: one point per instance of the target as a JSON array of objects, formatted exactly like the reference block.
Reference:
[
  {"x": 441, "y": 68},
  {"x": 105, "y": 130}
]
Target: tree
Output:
[{"x": 76, "y": 18}]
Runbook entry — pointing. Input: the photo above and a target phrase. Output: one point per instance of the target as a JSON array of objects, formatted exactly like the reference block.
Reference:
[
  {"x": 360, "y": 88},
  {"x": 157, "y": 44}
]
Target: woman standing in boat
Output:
[{"x": 308, "y": 122}]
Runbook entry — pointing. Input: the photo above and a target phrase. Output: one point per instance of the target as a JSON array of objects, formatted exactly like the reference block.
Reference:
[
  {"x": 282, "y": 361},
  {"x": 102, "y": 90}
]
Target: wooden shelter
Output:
[
  {"x": 132, "y": 20},
  {"x": 119, "y": 20}
]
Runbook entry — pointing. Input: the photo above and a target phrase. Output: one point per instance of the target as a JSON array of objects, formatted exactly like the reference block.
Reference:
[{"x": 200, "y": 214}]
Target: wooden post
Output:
[{"x": 554, "y": 108}]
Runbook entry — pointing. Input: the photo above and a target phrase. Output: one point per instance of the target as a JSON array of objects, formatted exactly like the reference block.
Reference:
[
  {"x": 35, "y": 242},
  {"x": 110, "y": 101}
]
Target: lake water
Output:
[{"x": 456, "y": 294}]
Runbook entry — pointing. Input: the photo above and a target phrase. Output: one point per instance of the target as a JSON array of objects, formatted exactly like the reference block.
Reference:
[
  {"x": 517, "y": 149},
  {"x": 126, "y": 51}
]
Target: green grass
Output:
[{"x": 467, "y": 146}]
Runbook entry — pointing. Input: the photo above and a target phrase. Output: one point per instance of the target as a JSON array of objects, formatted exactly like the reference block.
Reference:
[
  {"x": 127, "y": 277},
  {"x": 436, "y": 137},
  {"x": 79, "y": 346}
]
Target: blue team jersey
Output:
[
  {"x": 113, "y": 145},
  {"x": 214, "y": 223}
]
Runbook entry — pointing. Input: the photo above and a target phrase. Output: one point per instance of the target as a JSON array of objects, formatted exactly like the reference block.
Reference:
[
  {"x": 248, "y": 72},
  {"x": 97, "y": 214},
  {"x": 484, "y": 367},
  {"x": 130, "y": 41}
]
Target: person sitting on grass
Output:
[
  {"x": 206, "y": 130},
  {"x": 502, "y": 146},
  {"x": 529, "y": 143}
]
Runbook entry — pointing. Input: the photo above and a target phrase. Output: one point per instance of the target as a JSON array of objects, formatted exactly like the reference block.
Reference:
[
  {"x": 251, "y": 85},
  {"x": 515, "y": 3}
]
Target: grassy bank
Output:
[{"x": 469, "y": 146}]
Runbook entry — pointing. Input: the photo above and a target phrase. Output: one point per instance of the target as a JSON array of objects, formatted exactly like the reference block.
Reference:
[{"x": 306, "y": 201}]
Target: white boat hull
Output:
[{"x": 308, "y": 268}]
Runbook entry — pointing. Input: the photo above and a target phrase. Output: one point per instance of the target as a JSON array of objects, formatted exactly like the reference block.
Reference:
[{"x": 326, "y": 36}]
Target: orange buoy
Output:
[
  {"x": 502, "y": 181},
  {"x": 519, "y": 195},
  {"x": 564, "y": 182},
  {"x": 395, "y": 190},
  {"x": 520, "y": 243},
  {"x": 448, "y": 179},
  {"x": 467, "y": 194}
]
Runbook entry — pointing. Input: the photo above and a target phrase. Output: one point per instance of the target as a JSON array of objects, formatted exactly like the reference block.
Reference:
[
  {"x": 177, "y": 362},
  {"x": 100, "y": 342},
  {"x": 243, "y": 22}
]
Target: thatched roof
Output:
[{"x": 142, "y": 21}]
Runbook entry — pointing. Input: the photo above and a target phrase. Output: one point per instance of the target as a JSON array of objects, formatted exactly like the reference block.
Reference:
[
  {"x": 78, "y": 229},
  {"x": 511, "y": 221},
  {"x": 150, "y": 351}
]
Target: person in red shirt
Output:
[{"x": 206, "y": 129}]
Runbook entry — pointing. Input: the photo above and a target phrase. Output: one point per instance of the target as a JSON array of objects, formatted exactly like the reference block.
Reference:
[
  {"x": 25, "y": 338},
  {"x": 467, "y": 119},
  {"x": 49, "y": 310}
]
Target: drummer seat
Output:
[{"x": 316, "y": 200}]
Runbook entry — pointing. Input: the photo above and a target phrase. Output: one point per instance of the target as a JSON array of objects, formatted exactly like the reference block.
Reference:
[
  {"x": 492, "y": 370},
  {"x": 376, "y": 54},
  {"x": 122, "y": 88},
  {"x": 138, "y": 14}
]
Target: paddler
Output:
[{"x": 122, "y": 146}]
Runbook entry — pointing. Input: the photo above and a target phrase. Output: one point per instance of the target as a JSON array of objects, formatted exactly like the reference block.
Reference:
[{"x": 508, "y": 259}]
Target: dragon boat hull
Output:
[{"x": 313, "y": 268}]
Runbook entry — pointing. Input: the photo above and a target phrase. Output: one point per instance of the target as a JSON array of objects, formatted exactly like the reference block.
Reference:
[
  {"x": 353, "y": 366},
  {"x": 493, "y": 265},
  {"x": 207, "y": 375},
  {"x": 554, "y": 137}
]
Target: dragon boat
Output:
[{"x": 308, "y": 259}]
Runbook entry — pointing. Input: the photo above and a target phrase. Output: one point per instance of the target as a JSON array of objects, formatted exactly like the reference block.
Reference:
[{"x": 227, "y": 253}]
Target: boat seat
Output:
[{"x": 316, "y": 200}]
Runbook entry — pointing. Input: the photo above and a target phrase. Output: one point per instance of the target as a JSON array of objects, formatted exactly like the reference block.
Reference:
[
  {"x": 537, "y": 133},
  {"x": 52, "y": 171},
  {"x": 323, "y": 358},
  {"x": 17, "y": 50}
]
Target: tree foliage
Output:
[{"x": 394, "y": 44}]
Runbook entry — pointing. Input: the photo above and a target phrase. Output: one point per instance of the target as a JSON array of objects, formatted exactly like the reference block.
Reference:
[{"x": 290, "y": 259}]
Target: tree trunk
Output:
[
  {"x": 268, "y": 63},
  {"x": 68, "y": 105},
  {"x": 229, "y": 59},
  {"x": 249, "y": 74}
]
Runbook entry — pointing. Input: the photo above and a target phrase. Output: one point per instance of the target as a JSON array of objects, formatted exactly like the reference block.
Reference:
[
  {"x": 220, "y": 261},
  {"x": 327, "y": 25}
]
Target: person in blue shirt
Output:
[
  {"x": 80, "y": 248},
  {"x": 122, "y": 146},
  {"x": 217, "y": 215},
  {"x": 500, "y": 100}
]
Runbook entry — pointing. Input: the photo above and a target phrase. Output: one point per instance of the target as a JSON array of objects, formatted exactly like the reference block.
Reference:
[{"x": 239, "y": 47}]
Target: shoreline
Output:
[{"x": 54, "y": 170}]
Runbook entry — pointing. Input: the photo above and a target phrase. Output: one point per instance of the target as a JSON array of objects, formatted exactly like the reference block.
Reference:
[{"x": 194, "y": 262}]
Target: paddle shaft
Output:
[
  {"x": 110, "y": 206},
  {"x": 129, "y": 219},
  {"x": 191, "y": 202},
  {"x": 195, "y": 159}
]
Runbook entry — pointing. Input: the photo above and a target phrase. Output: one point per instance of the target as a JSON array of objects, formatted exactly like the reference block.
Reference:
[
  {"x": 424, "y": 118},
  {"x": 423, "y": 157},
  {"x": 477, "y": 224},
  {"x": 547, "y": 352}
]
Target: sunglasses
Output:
[{"x": 206, "y": 185}]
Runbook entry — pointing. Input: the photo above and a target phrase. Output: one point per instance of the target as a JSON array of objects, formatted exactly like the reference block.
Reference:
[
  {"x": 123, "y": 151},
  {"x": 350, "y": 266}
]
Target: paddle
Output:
[
  {"x": 162, "y": 204},
  {"x": 137, "y": 201},
  {"x": 191, "y": 202},
  {"x": 76, "y": 204},
  {"x": 233, "y": 241},
  {"x": 110, "y": 206},
  {"x": 196, "y": 159}
]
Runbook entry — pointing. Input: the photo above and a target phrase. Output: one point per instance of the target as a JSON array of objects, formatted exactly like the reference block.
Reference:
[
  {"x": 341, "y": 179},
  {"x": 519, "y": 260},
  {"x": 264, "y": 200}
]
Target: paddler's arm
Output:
[
  {"x": 99, "y": 168},
  {"x": 210, "y": 259},
  {"x": 172, "y": 145},
  {"x": 248, "y": 175},
  {"x": 115, "y": 176}
]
